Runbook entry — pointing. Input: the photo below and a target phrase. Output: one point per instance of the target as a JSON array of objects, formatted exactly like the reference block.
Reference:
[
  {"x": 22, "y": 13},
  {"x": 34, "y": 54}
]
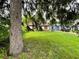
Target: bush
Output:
[{"x": 4, "y": 28}]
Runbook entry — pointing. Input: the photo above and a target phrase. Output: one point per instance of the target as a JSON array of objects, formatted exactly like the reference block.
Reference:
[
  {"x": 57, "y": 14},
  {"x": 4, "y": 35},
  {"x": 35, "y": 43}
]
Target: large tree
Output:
[{"x": 16, "y": 43}]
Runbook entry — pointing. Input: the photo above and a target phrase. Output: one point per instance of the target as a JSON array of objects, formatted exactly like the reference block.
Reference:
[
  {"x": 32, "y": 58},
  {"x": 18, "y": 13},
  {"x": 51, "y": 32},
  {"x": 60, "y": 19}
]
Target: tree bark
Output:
[{"x": 16, "y": 43}]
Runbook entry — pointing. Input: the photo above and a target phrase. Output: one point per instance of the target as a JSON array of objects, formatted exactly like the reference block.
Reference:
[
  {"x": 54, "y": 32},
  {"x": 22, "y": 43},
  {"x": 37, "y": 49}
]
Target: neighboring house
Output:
[
  {"x": 30, "y": 24},
  {"x": 46, "y": 26}
]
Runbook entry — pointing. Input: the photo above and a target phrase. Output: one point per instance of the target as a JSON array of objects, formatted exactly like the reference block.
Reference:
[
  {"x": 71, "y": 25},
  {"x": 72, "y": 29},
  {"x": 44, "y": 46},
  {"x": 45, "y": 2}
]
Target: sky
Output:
[{"x": 78, "y": 1}]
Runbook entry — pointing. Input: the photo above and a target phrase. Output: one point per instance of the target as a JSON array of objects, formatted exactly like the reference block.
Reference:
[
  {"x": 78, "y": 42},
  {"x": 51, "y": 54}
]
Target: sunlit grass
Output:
[
  {"x": 52, "y": 45},
  {"x": 49, "y": 45}
]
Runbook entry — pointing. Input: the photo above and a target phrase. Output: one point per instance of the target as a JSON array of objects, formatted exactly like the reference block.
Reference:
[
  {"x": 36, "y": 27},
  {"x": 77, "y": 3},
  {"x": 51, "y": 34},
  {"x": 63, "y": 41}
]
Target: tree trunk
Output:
[{"x": 16, "y": 43}]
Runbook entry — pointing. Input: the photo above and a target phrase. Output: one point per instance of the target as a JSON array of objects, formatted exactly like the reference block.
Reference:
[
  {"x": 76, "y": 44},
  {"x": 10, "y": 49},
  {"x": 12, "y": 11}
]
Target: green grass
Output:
[{"x": 51, "y": 45}]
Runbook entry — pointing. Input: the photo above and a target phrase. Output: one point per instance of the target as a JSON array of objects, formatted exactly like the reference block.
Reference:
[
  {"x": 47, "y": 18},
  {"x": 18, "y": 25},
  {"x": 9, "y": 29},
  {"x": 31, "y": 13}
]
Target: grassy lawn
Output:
[{"x": 50, "y": 45}]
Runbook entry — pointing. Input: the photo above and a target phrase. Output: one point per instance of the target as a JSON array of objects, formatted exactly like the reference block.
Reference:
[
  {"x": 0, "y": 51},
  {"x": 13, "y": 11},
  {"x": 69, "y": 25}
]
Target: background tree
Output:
[{"x": 51, "y": 9}]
